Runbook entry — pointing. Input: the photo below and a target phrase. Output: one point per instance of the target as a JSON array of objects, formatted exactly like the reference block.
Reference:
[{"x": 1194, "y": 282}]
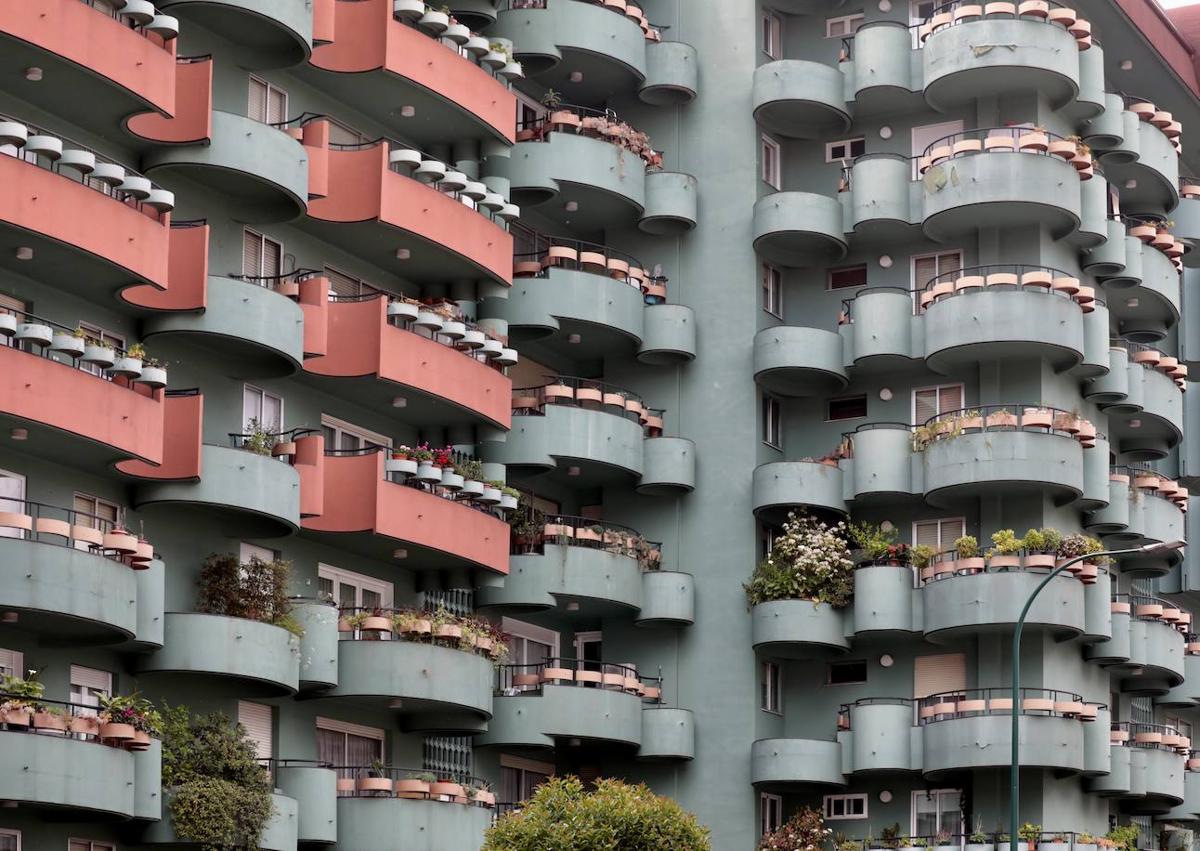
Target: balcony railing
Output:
[
  {"x": 958, "y": 12},
  {"x": 1152, "y": 359},
  {"x": 1034, "y": 702},
  {"x": 1008, "y": 276},
  {"x": 388, "y": 781},
  {"x": 471, "y": 46},
  {"x": 652, "y": 32},
  {"x": 602, "y": 124},
  {"x": 52, "y": 524},
  {"x": 1160, "y": 118},
  {"x": 156, "y": 27},
  {"x": 1136, "y": 734},
  {"x": 1143, "y": 478},
  {"x": 589, "y": 394},
  {"x": 80, "y": 164},
  {"x": 580, "y": 673},
  {"x": 39, "y": 716},
  {"x": 1038, "y": 419},
  {"x": 1144, "y": 607},
  {"x": 570, "y": 531},
  {"x": 542, "y": 252},
  {"x": 277, "y": 444}
]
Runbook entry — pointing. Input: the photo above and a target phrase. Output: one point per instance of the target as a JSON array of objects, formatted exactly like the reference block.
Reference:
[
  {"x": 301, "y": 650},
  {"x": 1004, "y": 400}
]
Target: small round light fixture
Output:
[
  {"x": 399, "y": 402},
  {"x": 1126, "y": 65},
  {"x": 408, "y": 111},
  {"x": 403, "y": 254},
  {"x": 19, "y": 433},
  {"x": 885, "y": 5},
  {"x": 400, "y": 552},
  {"x": 885, "y": 132},
  {"x": 885, "y": 796},
  {"x": 887, "y": 526},
  {"x": 574, "y": 339},
  {"x": 885, "y": 261},
  {"x": 24, "y": 252},
  {"x": 573, "y": 471},
  {"x": 33, "y": 74},
  {"x": 886, "y": 660},
  {"x": 572, "y": 606},
  {"x": 571, "y": 206},
  {"x": 576, "y": 77},
  {"x": 885, "y": 393},
  {"x": 1131, "y": 183}
]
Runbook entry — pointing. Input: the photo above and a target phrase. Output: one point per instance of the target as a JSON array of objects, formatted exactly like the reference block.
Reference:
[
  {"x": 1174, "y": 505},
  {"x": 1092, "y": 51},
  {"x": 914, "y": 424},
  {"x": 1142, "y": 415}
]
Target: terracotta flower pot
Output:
[
  {"x": 448, "y": 631},
  {"x": 86, "y": 725},
  {"x": 49, "y": 721},
  {"x": 377, "y": 623},
  {"x": 117, "y": 732},
  {"x": 1004, "y": 562},
  {"x": 488, "y": 799},
  {"x": 412, "y": 789},
  {"x": 141, "y": 741},
  {"x": 1001, "y": 419},
  {"x": 374, "y": 784},
  {"x": 1045, "y": 560},
  {"x": 969, "y": 565},
  {"x": 344, "y": 625},
  {"x": 420, "y": 627},
  {"x": 443, "y": 787},
  {"x": 345, "y": 785},
  {"x": 483, "y": 642}
]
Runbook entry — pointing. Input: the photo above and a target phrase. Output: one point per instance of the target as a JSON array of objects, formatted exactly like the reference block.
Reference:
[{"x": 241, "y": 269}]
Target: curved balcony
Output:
[
  {"x": 566, "y": 698},
  {"x": 278, "y": 834},
  {"x": 882, "y": 64},
  {"x": 878, "y": 733},
  {"x": 784, "y": 762},
  {"x": 1006, "y": 450},
  {"x": 106, "y": 67},
  {"x": 667, "y": 734},
  {"x": 1189, "y": 810},
  {"x": 882, "y": 460},
  {"x": 75, "y": 775},
  {"x": 373, "y": 355},
  {"x": 1148, "y": 422},
  {"x": 796, "y": 361},
  {"x": 280, "y": 32},
  {"x": 110, "y": 241},
  {"x": 1040, "y": 56},
  {"x": 73, "y": 415},
  {"x": 798, "y": 629},
  {"x": 1147, "y": 163},
  {"x": 371, "y": 511},
  {"x": 555, "y": 37},
  {"x": 672, "y": 201},
  {"x": 1002, "y": 312},
  {"x": 672, "y": 74},
  {"x": 587, "y": 568},
  {"x": 1149, "y": 280},
  {"x": 1187, "y": 220},
  {"x": 965, "y": 603},
  {"x": 252, "y": 494},
  {"x": 585, "y": 429},
  {"x": 429, "y": 823},
  {"x": 879, "y": 188},
  {"x": 668, "y": 599},
  {"x": 435, "y": 688},
  {"x": 1147, "y": 508},
  {"x": 668, "y": 466},
  {"x": 376, "y": 60},
  {"x": 884, "y": 600},
  {"x": 1147, "y": 768},
  {"x": 879, "y": 328},
  {"x": 1156, "y": 645},
  {"x": 972, "y": 729},
  {"x": 313, "y": 788},
  {"x": 1187, "y": 693},
  {"x": 254, "y": 327},
  {"x": 670, "y": 335},
  {"x": 783, "y": 485},
  {"x": 375, "y": 209},
  {"x": 259, "y": 167},
  {"x": 60, "y": 581},
  {"x": 799, "y": 229},
  {"x": 1001, "y": 177},
  {"x": 800, "y": 99},
  {"x": 318, "y": 642},
  {"x": 260, "y": 655}
]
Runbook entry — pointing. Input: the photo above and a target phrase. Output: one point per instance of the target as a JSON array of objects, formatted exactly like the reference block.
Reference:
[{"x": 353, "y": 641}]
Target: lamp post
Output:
[{"x": 1015, "y": 771}]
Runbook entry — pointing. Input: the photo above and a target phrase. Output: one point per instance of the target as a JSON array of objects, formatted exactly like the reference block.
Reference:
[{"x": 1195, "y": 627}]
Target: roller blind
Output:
[
  {"x": 256, "y": 718},
  {"x": 91, "y": 678},
  {"x": 256, "y": 106},
  {"x": 941, "y": 673}
]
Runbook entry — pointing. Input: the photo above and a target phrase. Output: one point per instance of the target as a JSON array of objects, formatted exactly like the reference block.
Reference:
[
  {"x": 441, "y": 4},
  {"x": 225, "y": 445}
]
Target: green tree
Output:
[{"x": 616, "y": 816}]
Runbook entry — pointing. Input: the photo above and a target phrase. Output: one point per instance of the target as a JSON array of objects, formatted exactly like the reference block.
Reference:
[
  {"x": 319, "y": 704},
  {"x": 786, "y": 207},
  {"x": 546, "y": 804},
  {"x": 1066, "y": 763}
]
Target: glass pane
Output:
[
  {"x": 251, "y": 406},
  {"x": 925, "y": 815},
  {"x": 272, "y": 412},
  {"x": 324, "y": 587},
  {"x": 948, "y": 805},
  {"x": 371, "y": 599}
]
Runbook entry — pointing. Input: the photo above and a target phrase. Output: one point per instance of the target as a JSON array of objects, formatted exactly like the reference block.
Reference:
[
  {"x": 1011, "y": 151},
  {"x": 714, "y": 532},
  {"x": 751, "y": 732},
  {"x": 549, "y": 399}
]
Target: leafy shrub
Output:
[
  {"x": 616, "y": 816},
  {"x": 805, "y": 829},
  {"x": 257, "y": 590},
  {"x": 809, "y": 560}
]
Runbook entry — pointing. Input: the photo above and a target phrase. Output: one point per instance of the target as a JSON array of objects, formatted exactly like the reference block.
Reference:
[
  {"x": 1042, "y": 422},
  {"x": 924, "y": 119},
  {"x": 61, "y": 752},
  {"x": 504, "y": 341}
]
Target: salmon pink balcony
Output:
[
  {"x": 91, "y": 58},
  {"x": 378, "y": 59},
  {"x": 373, "y": 356},
  {"x": 97, "y": 237},
  {"x": 78, "y": 402},
  {"x": 381, "y": 515},
  {"x": 380, "y": 207}
]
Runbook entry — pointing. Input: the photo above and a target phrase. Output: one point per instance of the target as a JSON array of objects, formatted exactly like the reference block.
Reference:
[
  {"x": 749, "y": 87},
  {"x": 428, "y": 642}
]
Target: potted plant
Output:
[
  {"x": 1072, "y": 546},
  {"x": 971, "y": 420},
  {"x": 871, "y": 541},
  {"x": 921, "y": 557},
  {"x": 436, "y": 19},
  {"x": 1027, "y": 836},
  {"x": 116, "y": 719},
  {"x": 978, "y": 840},
  {"x": 401, "y": 461},
  {"x": 891, "y": 836},
  {"x": 427, "y": 471},
  {"x": 154, "y": 373},
  {"x": 446, "y": 627},
  {"x": 20, "y": 699},
  {"x": 1002, "y": 418},
  {"x": 443, "y": 788},
  {"x": 916, "y": 842},
  {"x": 494, "y": 58},
  {"x": 1006, "y": 551},
  {"x": 352, "y": 623},
  {"x": 456, "y": 32},
  {"x": 491, "y": 493},
  {"x": 809, "y": 561},
  {"x": 34, "y": 332},
  {"x": 1056, "y": 842},
  {"x": 1085, "y": 842},
  {"x": 71, "y": 343},
  {"x": 411, "y": 624},
  {"x": 408, "y": 10},
  {"x": 415, "y": 785},
  {"x": 259, "y": 440},
  {"x": 1040, "y": 545},
  {"x": 130, "y": 363},
  {"x": 86, "y": 724},
  {"x": 968, "y": 555},
  {"x": 452, "y": 480},
  {"x": 472, "y": 472},
  {"x": 50, "y": 718},
  {"x": 509, "y": 498},
  {"x": 483, "y": 639},
  {"x": 374, "y": 780},
  {"x": 99, "y": 353},
  {"x": 943, "y": 841},
  {"x": 484, "y": 795},
  {"x": 376, "y": 622}
]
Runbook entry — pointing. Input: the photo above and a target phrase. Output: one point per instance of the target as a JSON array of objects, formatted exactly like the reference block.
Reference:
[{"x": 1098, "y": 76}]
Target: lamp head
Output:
[{"x": 1163, "y": 547}]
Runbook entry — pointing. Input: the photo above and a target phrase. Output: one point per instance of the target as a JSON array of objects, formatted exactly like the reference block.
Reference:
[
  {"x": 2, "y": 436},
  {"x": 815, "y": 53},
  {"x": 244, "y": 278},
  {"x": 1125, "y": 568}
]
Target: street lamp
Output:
[{"x": 1015, "y": 777}]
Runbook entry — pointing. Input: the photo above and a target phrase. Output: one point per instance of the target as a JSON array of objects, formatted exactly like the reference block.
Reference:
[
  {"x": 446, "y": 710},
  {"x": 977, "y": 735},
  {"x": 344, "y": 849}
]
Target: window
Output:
[
  {"x": 847, "y": 673},
  {"x": 926, "y": 267},
  {"x": 10, "y": 840},
  {"x": 842, "y": 807},
  {"x": 918, "y": 12},
  {"x": 261, "y": 407},
  {"x": 847, "y": 277},
  {"x": 925, "y": 135},
  {"x": 12, "y": 663},
  {"x": 343, "y": 134},
  {"x": 88, "y": 685},
  {"x": 529, "y": 644},
  {"x": 267, "y": 102},
  {"x": 939, "y": 534},
  {"x": 258, "y": 718},
  {"x": 520, "y": 778},
  {"x": 529, "y": 112},
  {"x": 930, "y": 402},
  {"x": 352, "y": 590},
  {"x": 843, "y": 26},
  {"x": 944, "y": 673},
  {"x": 845, "y": 150},
  {"x": 100, "y": 335},
  {"x": 772, "y": 286},
  {"x": 12, "y": 498},
  {"x": 848, "y": 408},
  {"x": 248, "y": 552},
  {"x": 342, "y": 435},
  {"x": 770, "y": 812},
  {"x": 345, "y": 285},
  {"x": 262, "y": 257},
  {"x": 935, "y": 810},
  {"x": 772, "y": 34},
  {"x": 89, "y": 845},
  {"x": 769, "y": 700},
  {"x": 348, "y": 746},
  {"x": 94, "y": 513},
  {"x": 770, "y": 162},
  {"x": 772, "y": 421}
]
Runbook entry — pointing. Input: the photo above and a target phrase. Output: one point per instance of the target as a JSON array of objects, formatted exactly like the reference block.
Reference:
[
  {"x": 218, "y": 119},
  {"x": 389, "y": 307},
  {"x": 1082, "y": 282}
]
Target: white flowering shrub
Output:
[
  {"x": 809, "y": 560},
  {"x": 804, "y": 831}
]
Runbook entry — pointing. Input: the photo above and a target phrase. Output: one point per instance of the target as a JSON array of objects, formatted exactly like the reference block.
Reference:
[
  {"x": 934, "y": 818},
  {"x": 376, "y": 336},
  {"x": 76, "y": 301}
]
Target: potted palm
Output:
[
  {"x": 71, "y": 343},
  {"x": 415, "y": 785}
]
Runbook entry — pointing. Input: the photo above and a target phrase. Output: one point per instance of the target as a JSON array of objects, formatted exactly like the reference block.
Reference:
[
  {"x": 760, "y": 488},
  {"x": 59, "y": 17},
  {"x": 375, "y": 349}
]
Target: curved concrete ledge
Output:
[
  {"x": 883, "y": 327},
  {"x": 570, "y": 433},
  {"x": 786, "y": 761},
  {"x": 668, "y": 599},
  {"x": 668, "y": 466},
  {"x": 799, "y": 629},
  {"x": 250, "y": 491},
  {"x": 612, "y": 44},
  {"x": 672, "y": 74},
  {"x": 1038, "y": 57},
  {"x": 314, "y": 791},
  {"x": 880, "y": 737},
  {"x": 984, "y": 741},
  {"x": 593, "y": 576},
  {"x": 882, "y": 61},
  {"x": 999, "y": 462},
  {"x": 281, "y": 32},
  {"x": 318, "y": 644},
  {"x": 262, "y": 169},
  {"x": 883, "y": 599},
  {"x": 85, "y": 777},
  {"x": 215, "y": 645},
  {"x": 279, "y": 833},
  {"x": 992, "y": 601},
  {"x": 1186, "y": 693},
  {"x": 262, "y": 331},
  {"x": 881, "y": 200},
  {"x": 67, "y": 595},
  {"x": 787, "y": 484},
  {"x": 800, "y": 99},
  {"x": 536, "y": 308},
  {"x": 424, "y": 825},
  {"x": 535, "y": 170},
  {"x": 882, "y": 462},
  {"x": 671, "y": 203},
  {"x": 667, "y": 734},
  {"x": 670, "y": 335},
  {"x": 796, "y": 361},
  {"x": 799, "y": 229},
  {"x": 537, "y": 719}
]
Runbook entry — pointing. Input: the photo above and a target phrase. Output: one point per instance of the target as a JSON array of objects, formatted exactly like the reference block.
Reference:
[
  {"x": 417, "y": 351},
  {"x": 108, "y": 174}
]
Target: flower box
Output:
[
  {"x": 374, "y": 784},
  {"x": 43, "y": 720},
  {"x": 412, "y": 789},
  {"x": 68, "y": 344},
  {"x": 117, "y": 732},
  {"x": 444, "y": 787}
]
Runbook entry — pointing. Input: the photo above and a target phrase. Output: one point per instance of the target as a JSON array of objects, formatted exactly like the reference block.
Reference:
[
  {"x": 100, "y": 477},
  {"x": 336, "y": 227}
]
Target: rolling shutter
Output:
[
  {"x": 941, "y": 673},
  {"x": 256, "y": 718},
  {"x": 251, "y": 253},
  {"x": 256, "y": 106}
]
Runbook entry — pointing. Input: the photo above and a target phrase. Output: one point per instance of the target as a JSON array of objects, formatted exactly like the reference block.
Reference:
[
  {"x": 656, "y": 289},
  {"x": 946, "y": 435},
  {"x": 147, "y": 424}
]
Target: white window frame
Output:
[
  {"x": 88, "y": 693},
  {"x": 341, "y": 427},
  {"x": 532, "y": 632},
  {"x": 771, "y": 173},
  {"x": 912, "y": 814},
  {"x": 13, "y": 834},
  {"x": 939, "y": 521},
  {"x": 771, "y": 687},
  {"x": 772, "y": 34},
  {"x": 772, "y": 292},
  {"x": 936, "y": 255},
  {"x": 15, "y": 660},
  {"x": 252, "y": 706},
  {"x": 582, "y": 638},
  {"x": 772, "y": 426},
  {"x": 912, "y": 412},
  {"x": 848, "y": 20},
  {"x": 263, "y": 240},
  {"x": 770, "y": 812},
  {"x": 829, "y": 146},
  {"x": 93, "y": 844},
  {"x": 271, "y": 87},
  {"x": 361, "y": 581},
  {"x": 265, "y": 393},
  {"x": 827, "y": 809}
]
